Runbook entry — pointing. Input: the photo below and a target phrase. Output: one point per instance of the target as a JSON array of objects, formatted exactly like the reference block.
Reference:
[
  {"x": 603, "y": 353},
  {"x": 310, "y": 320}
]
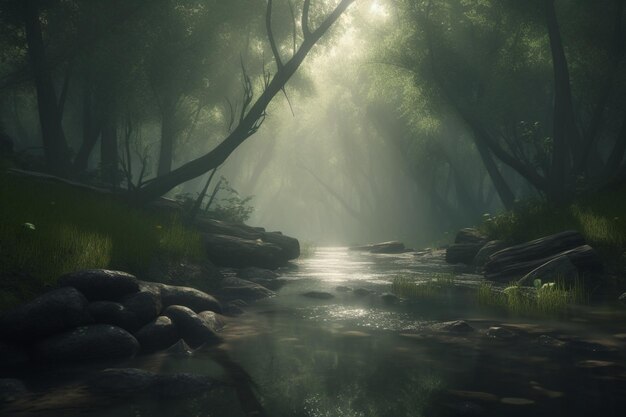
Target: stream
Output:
[{"x": 356, "y": 355}]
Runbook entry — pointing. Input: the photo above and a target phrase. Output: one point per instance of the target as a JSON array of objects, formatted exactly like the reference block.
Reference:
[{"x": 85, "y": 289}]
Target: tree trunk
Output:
[
  {"x": 109, "y": 156},
  {"x": 566, "y": 137},
  {"x": 168, "y": 137},
  {"x": 54, "y": 144},
  {"x": 504, "y": 191},
  {"x": 91, "y": 132}
]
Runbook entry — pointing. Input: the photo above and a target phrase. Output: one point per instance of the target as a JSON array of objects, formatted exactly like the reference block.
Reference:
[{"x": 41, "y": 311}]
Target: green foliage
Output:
[
  {"x": 75, "y": 229},
  {"x": 439, "y": 287},
  {"x": 231, "y": 207}
]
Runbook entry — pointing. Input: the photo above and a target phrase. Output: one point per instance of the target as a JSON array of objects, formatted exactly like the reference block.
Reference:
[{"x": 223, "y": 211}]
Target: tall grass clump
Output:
[
  {"x": 439, "y": 287},
  {"x": 550, "y": 299},
  {"x": 48, "y": 229}
]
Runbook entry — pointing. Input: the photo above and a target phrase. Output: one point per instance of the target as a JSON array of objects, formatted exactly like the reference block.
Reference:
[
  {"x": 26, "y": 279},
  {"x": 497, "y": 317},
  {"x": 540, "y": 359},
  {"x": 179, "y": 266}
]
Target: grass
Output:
[
  {"x": 48, "y": 229},
  {"x": 440, "y": 286},
  {"x": 601, "y": 218},
  {"x": 551, "y": 299}
]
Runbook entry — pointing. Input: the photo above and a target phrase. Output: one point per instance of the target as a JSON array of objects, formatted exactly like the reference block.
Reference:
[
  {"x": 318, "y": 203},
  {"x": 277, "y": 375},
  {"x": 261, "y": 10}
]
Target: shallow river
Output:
[{"x": 354, "y": 355}]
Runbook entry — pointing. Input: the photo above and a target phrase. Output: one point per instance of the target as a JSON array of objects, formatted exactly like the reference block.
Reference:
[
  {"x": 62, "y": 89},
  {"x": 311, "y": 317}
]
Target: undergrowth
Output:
[
  {"x": 440, "y": 286},
  {"x": 47, "y": 229}
]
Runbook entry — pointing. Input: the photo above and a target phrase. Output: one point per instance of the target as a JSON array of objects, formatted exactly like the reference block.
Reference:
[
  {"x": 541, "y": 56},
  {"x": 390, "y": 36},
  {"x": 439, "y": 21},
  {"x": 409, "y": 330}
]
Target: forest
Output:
[{"x": 312, "y": 208}]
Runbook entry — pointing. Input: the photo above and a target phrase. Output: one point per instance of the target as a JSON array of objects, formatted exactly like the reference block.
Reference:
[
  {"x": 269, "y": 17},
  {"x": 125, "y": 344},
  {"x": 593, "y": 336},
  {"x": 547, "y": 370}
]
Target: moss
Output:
[{"x": 47, "y": 229}]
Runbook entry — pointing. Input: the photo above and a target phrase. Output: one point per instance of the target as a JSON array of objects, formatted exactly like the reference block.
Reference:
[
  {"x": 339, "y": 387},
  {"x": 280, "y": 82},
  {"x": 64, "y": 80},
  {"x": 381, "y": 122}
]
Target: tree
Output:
[{"x": 251, "y": 115}]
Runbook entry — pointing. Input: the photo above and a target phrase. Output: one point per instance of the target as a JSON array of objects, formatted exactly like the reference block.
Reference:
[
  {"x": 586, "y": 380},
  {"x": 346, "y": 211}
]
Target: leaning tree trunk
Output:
[
  {"x": 54, "y": 144},
  {"x": 566, "y": 136},
  {"x": 251, "y": 120}
]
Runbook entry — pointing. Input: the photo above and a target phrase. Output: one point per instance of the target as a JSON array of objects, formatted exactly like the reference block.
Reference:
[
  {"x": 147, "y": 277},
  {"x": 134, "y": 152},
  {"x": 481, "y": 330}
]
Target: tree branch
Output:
[{"x": 270, "y": 36}]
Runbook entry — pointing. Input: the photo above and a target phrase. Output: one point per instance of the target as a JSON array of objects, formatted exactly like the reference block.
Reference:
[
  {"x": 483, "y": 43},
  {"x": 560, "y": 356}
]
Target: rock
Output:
[
  {"x": 289, "y": 247},
  {"x": 240, "y": 253},
  {"x": 270, "y": 284},
  {"x": 88, "y": 343},
  {"x": 110, "y": 312},
  {"x": 550, "y": 342},
  {"x": 462, "y": 253},
  {"x": 532, "y": 251},
  {"x": 470, "y": 235},
  {"x": 179, "y": 348},
  {"x": 361, "y": 292},
  {"x": 215, "y": 321},
  {"x": 203, "y": 275},
  {"x": 457, "y": 326},
  {"x": 583, "y": 257},
  {"x": 159, "y": 334},
  {"x": 389, "y": 298},
  {"x": 46, "y": 315},
  {"x": 253, "y": 273},
  {"x": 130, "y": 382},
  {"x": 320, "y": 295},
  {"x": 12, "y": 357},
  {"x": 193, "y": 329},
  {"x": 11, "y": 389},
  {"x": 497, "y": 332},
  {"x": 233, "y": 310},
  {"x": 558, "y": 269},
  {"x": 235, "y": 288},
  {"x": 189, "y": 297},
  {"x": 343, "y": 288},
  {"x": 146, "y": 305},
  {"x": 384, "y": 247},
  {"x": 487, "y": 250},
  {"x": 101, "y": 284}
]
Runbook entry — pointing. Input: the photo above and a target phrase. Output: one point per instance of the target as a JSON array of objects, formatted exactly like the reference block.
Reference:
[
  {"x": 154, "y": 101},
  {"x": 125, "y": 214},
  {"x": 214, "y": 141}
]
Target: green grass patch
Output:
[
  {"x": 550, "y": 299},
  {"x": 439, "y": 287},
  {"x": 48, "y": 229}
]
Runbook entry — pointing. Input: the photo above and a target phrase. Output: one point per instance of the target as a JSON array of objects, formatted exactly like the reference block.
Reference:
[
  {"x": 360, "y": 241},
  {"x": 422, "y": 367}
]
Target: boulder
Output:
[
  {"x": 361, "y": 292},
  {"x": 240, "y": 253},
  {"x": 111, "y": 312},
  {"x": 235, "y": 288},
  {"x": 487, "y": 250},
  {"x": 12, "y": 357},
  {"x": 192, "y": 328},
  {"x": 389, "y": 298},
  {"x": 384, "y": 247},
  {"x": 584, "y": 258},
  {"x": 320, "y": 295},
  {"x": 252, "y": 273},
  {"x": 498, "y": 332},
  {"x": 215, "y": 321},
  {"x": 159, "y": 334},
  {"x": 470, "y": 235},
  {"x": 46, "y": 315},
  {"x": 538, "y": 249},
  {"x": 290, "y": 247},
  {"x": 88, "y": 343},
  {"x": 457, "y": 326},
  {"x": 462, "y": 253},
  {"x": 189, "y": 297},
  {"x": 101, "y": 284},
  {"x": 145, "y": 305},
  {"x": 558, "y": 269}
]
